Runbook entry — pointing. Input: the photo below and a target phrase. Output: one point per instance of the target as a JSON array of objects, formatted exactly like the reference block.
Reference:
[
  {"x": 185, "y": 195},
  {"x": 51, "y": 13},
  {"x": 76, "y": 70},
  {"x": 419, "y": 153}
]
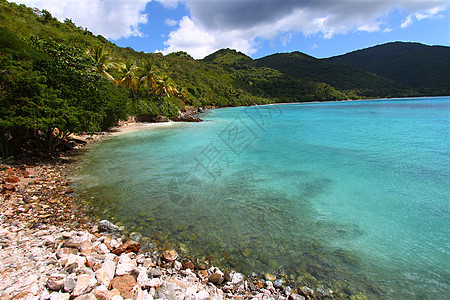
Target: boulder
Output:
[
  {"x": 102, "y": 293},
  {"x": 89, "y": 296},
  {"x": 85, "y": 248},
  {"x": 125, "y": 268},
  {"x": 12, "y": 179},
  {"x": 54, "y": 284},
  {"x": 125, "y": 285},
  {"x": 85, "y": 283},
  {"x": 9, "y": 187},
  {"x": 270, "y": 277},
  {"x": 127, "y": 247},
  {"x": 107, "y": 226},
  {"x": 59, "y": 296},
  {"x": 170, "y": 255},
  {"x": 304, "y": 290},
  {"x": 155, "y": 272},
  {"x": 70, "y": 283},
  {"x": 64, "y": 252},
  {"x": 216, "y": 278},
  {"x": 102, "y": 277},
  {"x": 294, "y": 296},
  {"x": 189, "y": 265}
]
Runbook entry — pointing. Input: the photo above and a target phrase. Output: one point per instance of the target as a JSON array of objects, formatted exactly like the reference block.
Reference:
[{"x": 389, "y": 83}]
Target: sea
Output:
[{"x": 352, "y": 196}]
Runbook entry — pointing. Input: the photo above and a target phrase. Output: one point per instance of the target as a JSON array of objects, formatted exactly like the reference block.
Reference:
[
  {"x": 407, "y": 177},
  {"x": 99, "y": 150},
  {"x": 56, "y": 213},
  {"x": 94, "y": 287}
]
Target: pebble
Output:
[
  {"x": 270, "y": 277},
  {"x": 46, "y": 253}
]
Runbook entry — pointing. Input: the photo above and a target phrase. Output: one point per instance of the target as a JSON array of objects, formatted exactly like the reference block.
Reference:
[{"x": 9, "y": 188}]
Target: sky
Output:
[{"x": 320, "y": 28}]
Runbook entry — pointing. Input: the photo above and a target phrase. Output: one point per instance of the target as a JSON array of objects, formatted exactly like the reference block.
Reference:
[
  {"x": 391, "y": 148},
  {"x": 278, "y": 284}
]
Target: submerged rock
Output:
[
  {"x": 107, "y": 226},
  {"x": 127, "y": 247},
  {"x": 170, "y": 255},
  {"x": 270, "y": 277}
]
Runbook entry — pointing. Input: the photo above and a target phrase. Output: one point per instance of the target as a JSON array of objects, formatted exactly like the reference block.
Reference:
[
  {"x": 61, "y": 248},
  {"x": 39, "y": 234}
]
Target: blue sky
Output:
[{"x": 321, "y": 28}]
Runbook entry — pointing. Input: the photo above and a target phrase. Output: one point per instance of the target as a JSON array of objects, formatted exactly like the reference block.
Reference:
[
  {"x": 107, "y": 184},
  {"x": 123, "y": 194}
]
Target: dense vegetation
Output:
[
  {"x": 57, "y": 79},
  {"x": 423, "y": 68},
  {"x": 345, "y": 78}
]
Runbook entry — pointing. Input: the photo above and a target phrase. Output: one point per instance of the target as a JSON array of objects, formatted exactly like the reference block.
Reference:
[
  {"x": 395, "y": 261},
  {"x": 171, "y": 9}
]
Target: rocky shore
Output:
[{"x": 50, "y": 248}]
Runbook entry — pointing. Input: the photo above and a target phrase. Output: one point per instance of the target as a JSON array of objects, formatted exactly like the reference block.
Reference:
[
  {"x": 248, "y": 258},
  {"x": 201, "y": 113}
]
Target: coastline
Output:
[
  {"x": 51, "y": 247},
  {"x": 135, "y": 126}
]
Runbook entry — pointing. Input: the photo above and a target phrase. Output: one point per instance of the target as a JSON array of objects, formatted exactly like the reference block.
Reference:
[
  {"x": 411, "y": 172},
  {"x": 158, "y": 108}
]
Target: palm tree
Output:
[
  {"x": 150, "y": 78},
  {"x": 129, "y": 79},
  {"x": 101, "y": 57},
  {"x": 166, "y": 87}
]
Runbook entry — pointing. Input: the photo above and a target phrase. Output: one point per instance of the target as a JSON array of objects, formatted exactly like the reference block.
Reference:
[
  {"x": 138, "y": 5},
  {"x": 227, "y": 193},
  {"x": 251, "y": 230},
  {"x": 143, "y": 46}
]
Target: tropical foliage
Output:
[{"x": 57, "y": 78}]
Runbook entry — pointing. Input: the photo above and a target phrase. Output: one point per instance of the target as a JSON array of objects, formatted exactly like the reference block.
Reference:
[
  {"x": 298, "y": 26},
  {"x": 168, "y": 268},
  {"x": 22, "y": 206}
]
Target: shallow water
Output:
[{"x": 353, "y": 194}]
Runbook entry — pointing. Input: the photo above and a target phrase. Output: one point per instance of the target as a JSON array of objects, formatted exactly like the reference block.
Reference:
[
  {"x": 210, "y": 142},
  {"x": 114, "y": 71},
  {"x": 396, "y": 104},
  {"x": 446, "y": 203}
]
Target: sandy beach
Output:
[{"x": 135, "y": 126}]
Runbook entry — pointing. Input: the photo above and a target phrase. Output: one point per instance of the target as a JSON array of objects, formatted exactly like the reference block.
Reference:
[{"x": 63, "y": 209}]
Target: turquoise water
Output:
[{"x": 353, "y": 195}]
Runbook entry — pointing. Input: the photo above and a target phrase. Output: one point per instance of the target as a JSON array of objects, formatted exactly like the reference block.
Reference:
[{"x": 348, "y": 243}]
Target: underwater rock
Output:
[
  {"x": 127, "y": 247},
  {"x": 216, "y": 278},
  {"x": 304, "y": 290},
  {"x": 270, "y": 277},
  {"x": 107, "y": 226},
  {"x": 170, "y": 255}
]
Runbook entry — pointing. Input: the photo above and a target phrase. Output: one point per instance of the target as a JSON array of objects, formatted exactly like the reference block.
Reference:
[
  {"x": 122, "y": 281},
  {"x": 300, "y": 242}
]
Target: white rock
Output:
[
  {"x": 114, "y": 243},
  {"x": 72, "y": 258},
  {"x": 29, "y": 280},
  {"x": 59, "y": 296},
  {"x": 202, "y": 295},
  {"x": 126, "y": 268},
  {"x": 103, "y": 249},
  {"x": 89, "y": 296},
  {"x": 177, "y": 265},
  {"x": 110, "y": 268},
  {"x": 102, "y": 277},
  {"x": 85, "y": 283},
  {"x": 123, "y": 259},
  {"x": 142, "y": 278},
  {"x": 154, "y": 282},
  {"x": 111, "y": 257},
  {"x": 236, "y": 278}
]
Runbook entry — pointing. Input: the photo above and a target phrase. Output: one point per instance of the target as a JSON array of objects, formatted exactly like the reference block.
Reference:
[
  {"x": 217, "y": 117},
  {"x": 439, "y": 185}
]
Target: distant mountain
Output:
[
  {"x": 424, "y": 68},
  {"x": 230, "y": 58},
  {"x": 271, "y": 82},
  {"x": 341, "y": 77}
]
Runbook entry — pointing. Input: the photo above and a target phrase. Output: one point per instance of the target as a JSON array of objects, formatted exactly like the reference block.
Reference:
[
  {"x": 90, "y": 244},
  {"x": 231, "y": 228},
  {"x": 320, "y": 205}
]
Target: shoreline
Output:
[
  {"x": 136, "y": 126},
  {"x": 43, "y": 226}
]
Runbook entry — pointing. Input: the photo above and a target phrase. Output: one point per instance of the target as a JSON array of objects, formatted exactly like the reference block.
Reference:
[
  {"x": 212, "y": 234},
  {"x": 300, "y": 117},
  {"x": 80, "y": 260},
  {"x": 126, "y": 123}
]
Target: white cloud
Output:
[
  {"x": 170, "y": 22},
  {"x": 111, "y": 18},
  {"x": 408, "y": 21},
  {"x": 433, "y": 12},
  {"x": 200, "y": 42},
  {"x": 238, "y": 24}
]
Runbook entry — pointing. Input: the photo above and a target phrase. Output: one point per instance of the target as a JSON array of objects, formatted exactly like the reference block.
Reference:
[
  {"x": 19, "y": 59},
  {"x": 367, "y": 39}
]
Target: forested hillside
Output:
[
  {"x": 342, "y": 77},
  {"x": 423, "y": 68},
  {"x": 57, "y": 78}
]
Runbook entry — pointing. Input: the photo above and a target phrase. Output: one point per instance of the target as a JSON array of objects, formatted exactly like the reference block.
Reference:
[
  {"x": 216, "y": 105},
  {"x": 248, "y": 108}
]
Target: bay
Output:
[{"x": 353, "y": 195}]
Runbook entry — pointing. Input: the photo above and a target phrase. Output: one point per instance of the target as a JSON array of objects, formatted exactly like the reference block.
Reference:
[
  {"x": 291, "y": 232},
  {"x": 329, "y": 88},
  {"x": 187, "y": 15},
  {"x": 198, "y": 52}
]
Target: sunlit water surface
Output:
[{"x": 354, "y": 195}]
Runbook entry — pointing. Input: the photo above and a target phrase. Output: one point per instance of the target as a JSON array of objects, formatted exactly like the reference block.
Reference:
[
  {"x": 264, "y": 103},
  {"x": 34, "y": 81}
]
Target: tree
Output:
[
  {"x": 150, "y": 78},
  {"x": 129, "y": 80},
  {"x": 55, "y": 94},
  {"x": 101, "y": 57},
  {"x": 165, "y": 87}
]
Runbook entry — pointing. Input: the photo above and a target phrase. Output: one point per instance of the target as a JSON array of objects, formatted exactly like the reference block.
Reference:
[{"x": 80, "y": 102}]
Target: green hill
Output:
[
  {"x": 341, "y": 77},
  {"x": 270, "y": 82},
  {"x": 57, "y": 78},
  {"x": 424, "y": 68}
]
